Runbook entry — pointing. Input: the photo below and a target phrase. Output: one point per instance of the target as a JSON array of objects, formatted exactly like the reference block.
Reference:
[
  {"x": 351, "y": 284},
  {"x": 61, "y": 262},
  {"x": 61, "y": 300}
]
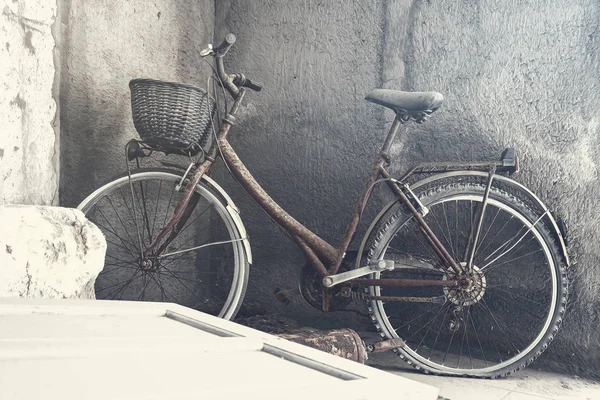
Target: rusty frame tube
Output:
[
  {"x": 425, "y": 229},
  {"x": 402, "y": 282},
  {"x": 399, "y": 299},
  {"x": 311, "y": 257},
  {"x": 165, "y": 235},
  {"x": 241, "y": 173},
  {"x": 162, "y": 239}
]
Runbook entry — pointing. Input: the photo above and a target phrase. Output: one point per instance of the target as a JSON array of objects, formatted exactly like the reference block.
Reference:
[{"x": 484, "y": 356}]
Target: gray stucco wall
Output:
[
  {"x": 104, "y": 45},
  {"x": 28, "y": 140},
  {"x": 308, "y": 137},
  {"x": 523, "y": 74}
]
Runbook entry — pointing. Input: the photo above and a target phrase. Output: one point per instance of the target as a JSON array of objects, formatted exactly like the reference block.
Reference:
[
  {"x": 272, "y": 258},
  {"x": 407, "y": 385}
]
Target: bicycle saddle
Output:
[{"x": 406, "y": 102}]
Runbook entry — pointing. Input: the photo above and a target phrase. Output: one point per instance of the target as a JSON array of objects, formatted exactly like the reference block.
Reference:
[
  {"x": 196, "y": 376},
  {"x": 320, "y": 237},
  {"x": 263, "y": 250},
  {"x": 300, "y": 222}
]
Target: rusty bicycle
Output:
[{"x": 465, "y": 269}]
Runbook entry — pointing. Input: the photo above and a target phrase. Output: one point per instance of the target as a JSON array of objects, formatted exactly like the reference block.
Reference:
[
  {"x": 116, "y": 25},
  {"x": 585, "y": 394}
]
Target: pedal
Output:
[
  {"x": 384, "y": 345},
  {"x": 284, "y": 296}
]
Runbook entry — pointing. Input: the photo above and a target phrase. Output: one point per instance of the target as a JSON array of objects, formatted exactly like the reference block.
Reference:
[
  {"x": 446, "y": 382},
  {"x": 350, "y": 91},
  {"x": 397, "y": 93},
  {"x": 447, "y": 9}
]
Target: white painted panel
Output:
[{"x": 64, "y": 349}]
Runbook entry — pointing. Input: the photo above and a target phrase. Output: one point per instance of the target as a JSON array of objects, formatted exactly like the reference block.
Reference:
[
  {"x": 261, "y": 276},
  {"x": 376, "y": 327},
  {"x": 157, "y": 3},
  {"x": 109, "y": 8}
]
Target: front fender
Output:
[
  {"x": 230, "y": 205},
  {"x": 234, "y": 211}
]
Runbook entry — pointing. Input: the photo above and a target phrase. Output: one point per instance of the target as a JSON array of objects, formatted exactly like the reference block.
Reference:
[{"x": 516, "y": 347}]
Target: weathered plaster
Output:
[
  {"x": 521, "y": 74},
  {"x": 103, "y": 46},
  {"x": 28, "y": 166}
]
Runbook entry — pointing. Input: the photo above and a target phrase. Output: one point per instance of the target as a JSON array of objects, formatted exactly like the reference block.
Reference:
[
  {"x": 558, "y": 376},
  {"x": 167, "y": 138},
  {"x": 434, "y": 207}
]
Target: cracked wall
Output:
[{"x": 28, "y": 140}]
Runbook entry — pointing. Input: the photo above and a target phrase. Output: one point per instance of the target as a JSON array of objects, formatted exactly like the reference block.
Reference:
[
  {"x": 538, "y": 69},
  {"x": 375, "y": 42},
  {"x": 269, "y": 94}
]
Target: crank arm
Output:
[
  {"x": 380, "y": 265},
  {"x": 399, "y": 261}
]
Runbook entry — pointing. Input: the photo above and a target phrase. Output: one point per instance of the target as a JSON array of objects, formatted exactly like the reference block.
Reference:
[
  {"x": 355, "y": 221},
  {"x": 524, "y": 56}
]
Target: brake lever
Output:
[{"x": 208, "y": 51}]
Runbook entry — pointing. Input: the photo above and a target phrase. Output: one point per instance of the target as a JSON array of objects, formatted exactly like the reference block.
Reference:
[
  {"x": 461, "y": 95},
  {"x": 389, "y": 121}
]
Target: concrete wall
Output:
[
  {"x": 105, "y": 44},
  {"x": 28, "y": 141},
  {"x": 308, "y": 137},
  {"x": 521, "y": 74}
]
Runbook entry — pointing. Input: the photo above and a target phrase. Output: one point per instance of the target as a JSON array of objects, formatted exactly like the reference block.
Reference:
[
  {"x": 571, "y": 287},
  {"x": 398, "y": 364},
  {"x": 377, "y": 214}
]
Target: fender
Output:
[
  {"x": 213, "y": 187},
  {"x": 524, "y": 190},
  {"x": 230, "y": 205},
  {"x": 234, "y": 211}
]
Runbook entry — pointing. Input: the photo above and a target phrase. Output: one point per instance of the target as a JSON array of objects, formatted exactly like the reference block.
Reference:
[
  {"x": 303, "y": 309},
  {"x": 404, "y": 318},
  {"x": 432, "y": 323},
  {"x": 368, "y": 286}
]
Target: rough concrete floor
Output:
[{"x": 529, "y": 384}]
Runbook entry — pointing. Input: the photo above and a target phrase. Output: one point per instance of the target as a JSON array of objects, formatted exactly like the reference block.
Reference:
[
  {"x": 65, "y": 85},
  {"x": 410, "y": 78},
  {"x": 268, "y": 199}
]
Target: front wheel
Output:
[
  {"x": 204, "y": 267},
  {"x": 506, "y": 311}
]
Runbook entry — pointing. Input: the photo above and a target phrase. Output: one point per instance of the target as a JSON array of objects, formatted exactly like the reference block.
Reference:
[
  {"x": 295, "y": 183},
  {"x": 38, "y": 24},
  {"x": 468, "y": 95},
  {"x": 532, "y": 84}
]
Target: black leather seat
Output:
[{"x": 406, "y": 102}]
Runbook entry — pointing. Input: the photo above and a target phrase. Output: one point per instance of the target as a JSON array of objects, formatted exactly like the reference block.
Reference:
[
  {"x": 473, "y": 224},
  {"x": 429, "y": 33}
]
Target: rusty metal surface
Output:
[
  {"x": 323, "y": 249},
  {"x": 385, "y": 345},
  {"x": 164, "y": 235},
  {"x": 402, "y": 282},
  {"x": 311, "y": 257},
  {"x": 378, "y": 164},
  {"x": 344, "y": 343},
  {"x": 348, "y": 292},
  {"x": 427, "y": 232},
  {"x": 439, "y": 167}
]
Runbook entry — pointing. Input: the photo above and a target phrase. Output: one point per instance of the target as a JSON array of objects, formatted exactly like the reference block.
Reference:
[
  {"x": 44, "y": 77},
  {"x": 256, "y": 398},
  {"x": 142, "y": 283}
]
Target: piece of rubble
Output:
[{"x": 48, "y": 252}]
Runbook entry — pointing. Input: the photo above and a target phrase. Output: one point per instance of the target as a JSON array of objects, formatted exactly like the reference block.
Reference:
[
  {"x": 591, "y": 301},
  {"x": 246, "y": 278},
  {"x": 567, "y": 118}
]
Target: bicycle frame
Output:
[{"x": 324, "y": 258}]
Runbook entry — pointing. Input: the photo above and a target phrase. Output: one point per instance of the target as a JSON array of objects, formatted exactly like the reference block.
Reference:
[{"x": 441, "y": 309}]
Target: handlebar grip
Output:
[
  {"x": 257, "y": 87},
  {"x": 225, "y": 45}
]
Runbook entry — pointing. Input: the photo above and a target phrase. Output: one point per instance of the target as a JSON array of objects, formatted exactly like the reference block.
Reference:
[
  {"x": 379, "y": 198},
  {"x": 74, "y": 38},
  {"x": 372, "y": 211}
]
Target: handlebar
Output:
[
  {"x": 225, "y": 45},
  {"x": 232, "y": 82},
  {"x": 242, "y": 80}
]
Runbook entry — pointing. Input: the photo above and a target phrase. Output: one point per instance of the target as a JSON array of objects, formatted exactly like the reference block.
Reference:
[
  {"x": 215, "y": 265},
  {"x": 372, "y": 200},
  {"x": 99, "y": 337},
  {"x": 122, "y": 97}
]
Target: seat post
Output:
[{"x": 385, "y": 149}]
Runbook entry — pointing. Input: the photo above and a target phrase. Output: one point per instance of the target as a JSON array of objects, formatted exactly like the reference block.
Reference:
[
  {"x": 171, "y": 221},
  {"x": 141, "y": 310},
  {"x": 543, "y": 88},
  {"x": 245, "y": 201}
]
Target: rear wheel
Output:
[
  {"x": 204, "y": 267},
  {"x": 508, "y": 307}
]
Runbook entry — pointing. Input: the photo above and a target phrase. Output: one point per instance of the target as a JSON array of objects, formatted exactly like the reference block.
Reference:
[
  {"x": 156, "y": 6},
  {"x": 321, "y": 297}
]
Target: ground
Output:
[{"x": 528, "y": 384}]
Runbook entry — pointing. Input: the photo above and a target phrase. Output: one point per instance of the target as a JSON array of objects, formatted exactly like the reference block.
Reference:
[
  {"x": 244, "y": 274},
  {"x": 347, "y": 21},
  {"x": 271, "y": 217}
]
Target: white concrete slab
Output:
[{"x": 76, "y": 349}]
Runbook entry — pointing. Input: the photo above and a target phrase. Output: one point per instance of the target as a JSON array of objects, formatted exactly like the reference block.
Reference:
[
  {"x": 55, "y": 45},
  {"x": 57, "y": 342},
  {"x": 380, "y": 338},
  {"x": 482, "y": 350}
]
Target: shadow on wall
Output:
[
  {"x": 104, "y": 46},
  {"x": 522, "y": 75}
]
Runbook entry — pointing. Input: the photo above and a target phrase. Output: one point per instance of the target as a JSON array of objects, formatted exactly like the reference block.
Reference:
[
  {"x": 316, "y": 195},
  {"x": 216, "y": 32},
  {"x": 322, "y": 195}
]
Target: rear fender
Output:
[{"x": 522, "y": 190}]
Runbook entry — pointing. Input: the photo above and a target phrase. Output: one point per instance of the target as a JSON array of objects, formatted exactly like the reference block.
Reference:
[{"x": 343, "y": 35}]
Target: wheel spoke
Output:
[
  {"x": 492, "y": 320},
  {"x": 129, "y": 211}
]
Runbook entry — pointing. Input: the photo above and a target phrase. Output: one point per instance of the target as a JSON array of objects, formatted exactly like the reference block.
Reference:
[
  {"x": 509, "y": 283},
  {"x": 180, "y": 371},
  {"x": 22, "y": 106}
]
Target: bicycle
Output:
[{"x": 428, "y": 266}]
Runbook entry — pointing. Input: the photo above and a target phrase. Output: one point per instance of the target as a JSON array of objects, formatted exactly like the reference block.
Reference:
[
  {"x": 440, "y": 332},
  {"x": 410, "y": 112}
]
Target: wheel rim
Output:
[
  {"x": 206, "y": 278},
  {"x": 426, "y": 350}
]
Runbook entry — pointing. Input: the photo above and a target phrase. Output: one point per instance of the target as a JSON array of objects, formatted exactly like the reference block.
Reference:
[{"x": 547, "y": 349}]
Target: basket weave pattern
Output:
[{"x": 171, "y": 117}]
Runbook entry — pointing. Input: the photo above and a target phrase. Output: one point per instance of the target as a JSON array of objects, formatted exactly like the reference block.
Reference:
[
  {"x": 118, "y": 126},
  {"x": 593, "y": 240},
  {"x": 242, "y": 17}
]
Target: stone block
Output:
[{"x": 48, "y": 252}]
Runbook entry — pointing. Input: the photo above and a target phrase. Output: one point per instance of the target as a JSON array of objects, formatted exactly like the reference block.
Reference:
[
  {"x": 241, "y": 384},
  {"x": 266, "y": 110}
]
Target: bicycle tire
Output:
[
  {"x": 213, "y": 285},
  {"x": 419, "y": 348}
]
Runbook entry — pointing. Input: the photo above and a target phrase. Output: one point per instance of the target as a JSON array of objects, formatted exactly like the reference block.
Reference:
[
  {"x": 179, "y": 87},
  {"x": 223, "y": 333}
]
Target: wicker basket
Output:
[{"x": 171, "y": 117}]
